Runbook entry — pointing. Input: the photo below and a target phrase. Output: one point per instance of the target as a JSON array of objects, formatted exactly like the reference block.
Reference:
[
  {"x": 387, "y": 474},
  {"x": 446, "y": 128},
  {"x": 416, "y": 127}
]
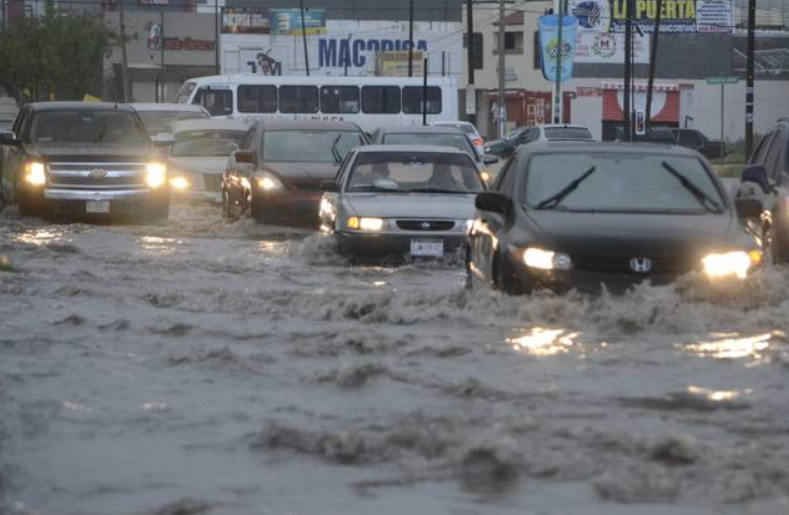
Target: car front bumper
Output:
[
  {"x": 74, "y": 201},
  {"x": 394, "y": 244},
  {"x": 288, "y": 207}
]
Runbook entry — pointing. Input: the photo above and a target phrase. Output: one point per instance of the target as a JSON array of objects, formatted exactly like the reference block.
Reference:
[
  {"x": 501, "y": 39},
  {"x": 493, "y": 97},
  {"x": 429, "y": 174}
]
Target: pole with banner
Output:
[
  {"x": 712, "y": 81},
  {"x": 557, "y": 45}
]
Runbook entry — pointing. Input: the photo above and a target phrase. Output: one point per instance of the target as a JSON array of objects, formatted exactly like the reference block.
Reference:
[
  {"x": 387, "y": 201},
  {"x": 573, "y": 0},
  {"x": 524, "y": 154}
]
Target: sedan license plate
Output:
[
  {"x": 433, "y": 248},
  {"x": 97, "y": 206}
]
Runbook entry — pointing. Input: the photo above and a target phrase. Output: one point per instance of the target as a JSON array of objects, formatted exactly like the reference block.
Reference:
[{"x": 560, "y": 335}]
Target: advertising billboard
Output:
[
  {"x": 284, "y": 22},
  {"x": 703, "y": 16}
]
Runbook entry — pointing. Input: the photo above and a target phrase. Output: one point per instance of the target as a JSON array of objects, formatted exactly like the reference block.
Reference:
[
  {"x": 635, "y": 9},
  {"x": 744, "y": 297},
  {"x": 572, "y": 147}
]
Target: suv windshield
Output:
[
  {"x": 87, "y": 126},
  {"x": 622, "y": 182},
  {"x": 159, "y": 121},
  {"x": 206, "y": 143},
  {"x": 402, "y": 172},
  {"x": 308, "y": 146},
  {"x": 458, "y": 141}
]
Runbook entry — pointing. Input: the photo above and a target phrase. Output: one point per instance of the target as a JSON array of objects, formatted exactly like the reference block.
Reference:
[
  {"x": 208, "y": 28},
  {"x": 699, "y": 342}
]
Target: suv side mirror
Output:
[
  {"x": 245, "y": 156},
  {"x": 9, "y": 138},
  {"x": 489, "y": 159},
  {"x": 757, "y": 174},
  {"x": 330, "y": 187},
  {"x": 492, "y": 202},
  {"x": 748, "y": 208}
]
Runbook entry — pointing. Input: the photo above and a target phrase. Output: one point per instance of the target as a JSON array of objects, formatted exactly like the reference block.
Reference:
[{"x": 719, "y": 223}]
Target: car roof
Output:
[
  {"x": 88, "y": 106},
  {"x": 561, "y": 126},
  {"x": 297, "y": 125},
  {"x": 420, "y": 129},
  {"x": 208, "y": 124},
  {"x": 589, "y": 146},
  {"x": 151, "y": 106},
  {"x": 410, "y": 148}
]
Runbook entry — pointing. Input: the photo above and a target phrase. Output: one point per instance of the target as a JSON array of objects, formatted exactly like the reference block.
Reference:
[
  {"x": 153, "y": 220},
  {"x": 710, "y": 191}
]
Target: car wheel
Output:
[
  {"x": 469, "y": 282},
  {"x": 778, "y": 242},
  {"x": 508, "y": 280},
  {"x": 227, "y": 211}
]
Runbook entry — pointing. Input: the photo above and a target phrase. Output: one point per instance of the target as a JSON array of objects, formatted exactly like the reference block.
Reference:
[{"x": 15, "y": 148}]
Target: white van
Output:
[{"x": 370, "y": 102}]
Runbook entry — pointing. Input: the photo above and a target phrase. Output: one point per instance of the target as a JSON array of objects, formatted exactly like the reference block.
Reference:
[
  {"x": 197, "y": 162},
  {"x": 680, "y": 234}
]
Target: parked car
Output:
[
  {"x": 564, "y": 216},
  {"x": 83, "y": 159},
  {"x": 434, "y": 135},
  {"x": 469, "y": 130},
  {"x": 402, "y": 200},
  {"x": 688, "y": 138},
  {"x": 276, "y": 176},
  {"x": 158, "y": 118},
  {"x": 766, "y": 180},
  {"x": 199, "y": 155},
  {"x": 505, "y": 147}
]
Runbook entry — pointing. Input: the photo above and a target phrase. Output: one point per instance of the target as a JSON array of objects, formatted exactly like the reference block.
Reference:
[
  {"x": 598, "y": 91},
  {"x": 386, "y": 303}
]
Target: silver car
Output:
[
  {"x": 402, "y": 200},
  {"x": 198, "y": 156}
]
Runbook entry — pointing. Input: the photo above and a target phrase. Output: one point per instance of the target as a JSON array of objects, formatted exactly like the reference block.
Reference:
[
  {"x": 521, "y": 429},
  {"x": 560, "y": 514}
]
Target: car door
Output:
[
  {"x": 14, "y": 157},
  {"x": 485, "y": 234}
]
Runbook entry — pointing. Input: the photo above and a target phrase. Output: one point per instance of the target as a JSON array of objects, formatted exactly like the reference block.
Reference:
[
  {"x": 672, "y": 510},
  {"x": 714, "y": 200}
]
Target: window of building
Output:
[
  {"x": 537, "y": 49},
  {"x": 513, "y": 42},
  {"x": 412, "y": 100},
  {"x": 298, "y": 99},
  {"x": 339, "y": 99},
  {"x": 381, "y": 99},
  {"x": 257, "y": 99}
]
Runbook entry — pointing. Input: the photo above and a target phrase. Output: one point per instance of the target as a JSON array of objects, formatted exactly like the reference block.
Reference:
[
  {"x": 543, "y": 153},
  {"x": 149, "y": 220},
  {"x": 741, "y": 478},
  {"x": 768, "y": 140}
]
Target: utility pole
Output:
[
  {"x": 424, "y": 90},
  {"x": 304, "y": 38},
  {"x": 557, "y": 87},
  {"x": 653, "y": 63},
  {"x": 161, "y": 37},
  {"x": 502, "y": 84},
  {"x": 124, "y": 56},
  {"x": 472, "y": 116},
  {"x": 217, "y": 69},
  {"x": 749, "y": 79},
  {"x": 628, "y": 70},
  {"x": 411, "y": 38}
]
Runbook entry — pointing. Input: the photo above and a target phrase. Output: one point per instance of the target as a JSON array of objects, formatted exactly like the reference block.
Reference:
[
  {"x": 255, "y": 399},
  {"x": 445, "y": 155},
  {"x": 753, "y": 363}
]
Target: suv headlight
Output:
[
  {"x": 267, "y": 181},
  {"x": 156, "y": 175},
  {"x": 735, "y": 263},
  {"x": 36, "y": 173},
  {"x": 534, "y": 257}
]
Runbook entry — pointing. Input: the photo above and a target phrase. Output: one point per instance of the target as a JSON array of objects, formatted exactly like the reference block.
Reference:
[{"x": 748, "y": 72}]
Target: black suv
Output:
[
  {"x": 688, "y": 138},
  {"x": 77, "y": 158},
  {"x": 766, "y": 178}
]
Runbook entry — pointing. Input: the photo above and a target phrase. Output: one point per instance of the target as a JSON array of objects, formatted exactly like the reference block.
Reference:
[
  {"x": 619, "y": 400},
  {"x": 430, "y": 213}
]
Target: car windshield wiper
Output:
[
  {"x": 554, "y": 200},
  {"x": 334, "y": 152},
  {"x": 101, "y": 134},
  {"x": 373, "y": 187},
  {"x": 705, "y": 200},
  {"x": 437, "y": 190}
]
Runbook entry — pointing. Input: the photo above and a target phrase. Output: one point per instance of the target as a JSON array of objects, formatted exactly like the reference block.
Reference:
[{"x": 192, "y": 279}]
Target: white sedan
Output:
[
  {"x": 402, "y": 200},
  {"x": 199, "y": 154}
]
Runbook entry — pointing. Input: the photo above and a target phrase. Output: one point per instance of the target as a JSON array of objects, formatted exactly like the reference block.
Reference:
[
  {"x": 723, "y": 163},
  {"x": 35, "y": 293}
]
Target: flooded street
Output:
[{"x": 207, "y": 367}]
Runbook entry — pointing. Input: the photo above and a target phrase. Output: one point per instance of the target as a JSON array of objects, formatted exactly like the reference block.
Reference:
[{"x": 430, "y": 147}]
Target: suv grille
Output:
[
  {"x": 97, "y": 176},
  {"x": 425, "y": 225}
]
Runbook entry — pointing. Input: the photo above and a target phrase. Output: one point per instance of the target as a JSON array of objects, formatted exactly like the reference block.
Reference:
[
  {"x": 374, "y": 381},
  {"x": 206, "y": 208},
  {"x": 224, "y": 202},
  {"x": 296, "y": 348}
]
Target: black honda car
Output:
[{"x": 563, "y": 216}]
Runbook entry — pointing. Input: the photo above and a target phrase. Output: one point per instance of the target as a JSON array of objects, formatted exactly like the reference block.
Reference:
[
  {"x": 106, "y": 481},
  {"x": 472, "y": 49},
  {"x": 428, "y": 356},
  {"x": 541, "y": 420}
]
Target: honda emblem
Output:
[{"x": 641, "y": 265}]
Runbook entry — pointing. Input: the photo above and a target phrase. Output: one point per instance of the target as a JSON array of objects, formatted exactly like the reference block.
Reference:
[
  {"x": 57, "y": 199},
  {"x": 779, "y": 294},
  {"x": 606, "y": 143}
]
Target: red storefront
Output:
[
  {"x": 526, "y": 107},
  {"x": 665, "y": 105}
]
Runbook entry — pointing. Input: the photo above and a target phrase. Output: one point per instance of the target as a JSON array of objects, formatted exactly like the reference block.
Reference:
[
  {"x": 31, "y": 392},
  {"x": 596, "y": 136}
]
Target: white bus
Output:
[{"x": 370, "y": 102}]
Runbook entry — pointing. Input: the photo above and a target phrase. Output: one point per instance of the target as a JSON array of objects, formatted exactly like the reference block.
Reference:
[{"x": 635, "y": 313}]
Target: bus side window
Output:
[
  {"x": 298, "y": 99},
  {"x": 339, "y": 99},
  {"x": 218, "y": 102},
  {"x": 412, "y": 100},
  {"x": 381, "y": 99},
  {"x": 257, "y": 99}
]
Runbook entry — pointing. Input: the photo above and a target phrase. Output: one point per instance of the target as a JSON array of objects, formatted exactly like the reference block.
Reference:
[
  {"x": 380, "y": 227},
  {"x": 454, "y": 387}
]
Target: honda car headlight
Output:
[
  {"x": 156, "y": 175},
  {"x": 365, "y": 223},
  {"x": 35, "y": 173},
  {"x": 534, "y": 257},
  {"x": 269, "y": 182},
  {"x": 731, "y": 263}
]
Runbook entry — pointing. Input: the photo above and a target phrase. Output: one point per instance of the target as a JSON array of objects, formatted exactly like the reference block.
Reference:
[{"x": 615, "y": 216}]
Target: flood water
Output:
[{"x": 207, "y": 367}]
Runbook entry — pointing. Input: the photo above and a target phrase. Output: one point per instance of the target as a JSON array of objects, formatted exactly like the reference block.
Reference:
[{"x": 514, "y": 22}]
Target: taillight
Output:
[{"x": 478, "y": 142}]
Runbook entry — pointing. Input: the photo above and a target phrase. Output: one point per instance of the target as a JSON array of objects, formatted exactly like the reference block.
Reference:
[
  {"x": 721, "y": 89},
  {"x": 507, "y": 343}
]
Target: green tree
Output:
[{"x": 54, "y": 56}]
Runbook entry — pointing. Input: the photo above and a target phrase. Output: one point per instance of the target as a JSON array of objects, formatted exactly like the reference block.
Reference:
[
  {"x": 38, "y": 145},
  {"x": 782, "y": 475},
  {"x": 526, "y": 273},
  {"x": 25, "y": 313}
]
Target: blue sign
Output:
[{"x": 550, "y": 45}]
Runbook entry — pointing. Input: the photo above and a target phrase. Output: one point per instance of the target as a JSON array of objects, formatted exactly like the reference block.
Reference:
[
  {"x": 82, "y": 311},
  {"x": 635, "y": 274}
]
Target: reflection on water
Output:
[
  {"x": 159, "y": 246},
  {"x": 40, "y": 236},
  {"x": 544, "y": 342},
  {"x": 731, "y": 347},
  {"x": 718, "y": 395}
]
